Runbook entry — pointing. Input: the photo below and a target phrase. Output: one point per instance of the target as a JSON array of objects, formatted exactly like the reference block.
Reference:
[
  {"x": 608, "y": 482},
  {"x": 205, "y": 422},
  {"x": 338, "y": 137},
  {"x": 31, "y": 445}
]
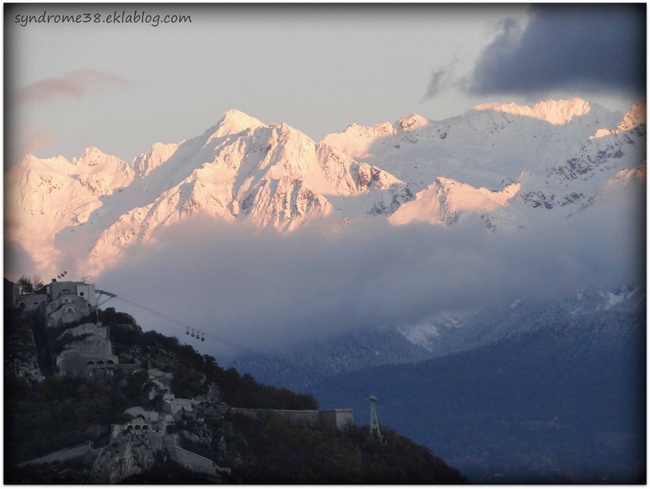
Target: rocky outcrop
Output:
[
  {"x": 21, "y": 359},
  {"x": 200, "y": 434},
  {"x": 211, "y": 396},
  {"x": 634, "y": 117},
  {"x": 128, "y": 454}
]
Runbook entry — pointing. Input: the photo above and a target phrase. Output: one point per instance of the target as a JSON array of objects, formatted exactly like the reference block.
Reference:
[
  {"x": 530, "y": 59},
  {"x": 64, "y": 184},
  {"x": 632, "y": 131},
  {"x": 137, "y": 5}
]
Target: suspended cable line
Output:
[
  {"x": 265, "y": 356},
  {"x": 187, "y": 326}
]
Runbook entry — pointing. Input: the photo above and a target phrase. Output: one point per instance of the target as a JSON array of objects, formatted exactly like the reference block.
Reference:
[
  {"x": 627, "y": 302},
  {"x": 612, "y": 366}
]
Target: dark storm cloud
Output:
[
  {"x": 440, "y": 78},
  {"x": 565, "y": 46},
  {"x": 435, "y": 83}
]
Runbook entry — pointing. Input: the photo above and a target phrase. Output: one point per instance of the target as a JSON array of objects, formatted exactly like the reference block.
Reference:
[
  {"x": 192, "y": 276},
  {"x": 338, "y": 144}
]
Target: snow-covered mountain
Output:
[
  {"x": 437, "y": 336},
  {"x": 504, "y": 164}
]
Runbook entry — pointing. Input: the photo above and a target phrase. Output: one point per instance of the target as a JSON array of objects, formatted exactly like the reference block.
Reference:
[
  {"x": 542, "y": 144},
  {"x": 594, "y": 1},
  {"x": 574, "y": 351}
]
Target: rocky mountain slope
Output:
[{"x": 506, "y": 165}]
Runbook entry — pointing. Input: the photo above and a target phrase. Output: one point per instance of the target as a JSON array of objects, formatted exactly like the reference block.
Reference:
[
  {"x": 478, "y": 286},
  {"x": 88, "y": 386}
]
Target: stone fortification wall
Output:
[
  {"x": 89, "y": 353},
  {"x": 62, "y": 455},
  {"x": 66, "y": 309},
  {"x": 129, "y": 368},
  {"x": 176, "y": 407},
  {"x": 68, "y": 288},
  {"x": 337, "y": 418},
  {"x": 333, "y": 418},
  {"x": 32, "y": 302},
  {"x": 11, "y": 293},
  {"x": 191, "y": 460},
  {"x": 143, "y": 423},
  {"x": 298, "y": 418}
]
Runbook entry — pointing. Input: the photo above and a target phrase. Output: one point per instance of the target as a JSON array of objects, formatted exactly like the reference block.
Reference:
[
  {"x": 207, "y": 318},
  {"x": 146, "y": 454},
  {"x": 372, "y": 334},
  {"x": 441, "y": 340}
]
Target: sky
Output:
[{"x": 123, "y": 86}]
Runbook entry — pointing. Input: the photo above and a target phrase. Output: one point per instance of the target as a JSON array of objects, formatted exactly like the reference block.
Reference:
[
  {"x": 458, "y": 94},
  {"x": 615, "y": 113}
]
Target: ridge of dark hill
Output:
[
  {"x": 563, "y": 402},
  {"x": 61, "y": 412}
]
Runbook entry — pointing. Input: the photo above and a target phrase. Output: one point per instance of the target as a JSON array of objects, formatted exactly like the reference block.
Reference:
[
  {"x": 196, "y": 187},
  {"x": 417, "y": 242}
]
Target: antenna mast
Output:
[{"x": 374, "y": 421}]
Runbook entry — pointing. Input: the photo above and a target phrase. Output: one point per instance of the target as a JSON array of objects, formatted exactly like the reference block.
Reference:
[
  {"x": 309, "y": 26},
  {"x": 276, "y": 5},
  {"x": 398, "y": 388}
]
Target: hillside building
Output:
[
  {"x": 32, "y": 302},
  {"x": 69, "y": 301},
  {"x": 61, "y": 302},
  {"x": 11, "y": 294},
  {"x": 86, "y": 348},
  {"x": 56, "y": 290},
  {"x": 88, "y": 353}
]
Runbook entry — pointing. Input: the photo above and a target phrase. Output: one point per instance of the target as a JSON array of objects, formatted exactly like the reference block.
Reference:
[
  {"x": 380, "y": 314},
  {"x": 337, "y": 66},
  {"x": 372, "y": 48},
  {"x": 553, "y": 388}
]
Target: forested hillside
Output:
[
  {"x": 562, "y": 403},
  {"x": 62, "y": 412}
]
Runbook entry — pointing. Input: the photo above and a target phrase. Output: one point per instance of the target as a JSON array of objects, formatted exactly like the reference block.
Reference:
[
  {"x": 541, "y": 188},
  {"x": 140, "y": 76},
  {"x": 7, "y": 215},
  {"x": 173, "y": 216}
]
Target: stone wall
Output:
[
  {"x": 299, "y": 418},
  {"x": 176, "y": 407},
  {"x": 32, "y": 302},
  {"x": 62, "y": 455},
  {"x": 333, "y": 418},
  {"x": 11, "y": 293},
  {"x": 337, "y": 418},
  {"x": 67, "y": 309},
  {"x": 67, "y": 288},
  {"x": 191, "y": 460},
  {"x": 89, "y": 353},
  {"x": 143, "y": 422}
]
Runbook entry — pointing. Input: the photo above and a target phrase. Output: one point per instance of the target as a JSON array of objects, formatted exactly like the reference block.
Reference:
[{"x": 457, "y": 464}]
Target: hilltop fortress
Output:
[
  {"x": 87, "y": 346},
  {"x": 86, "y": 350}
]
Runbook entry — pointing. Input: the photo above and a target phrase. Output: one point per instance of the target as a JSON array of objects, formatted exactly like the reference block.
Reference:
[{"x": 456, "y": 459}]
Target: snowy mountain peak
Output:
[
  {"x": 625, "y": 177},
  {"x": 235, "y": 121},
  {"x": 92, "y": 151},
  {"x": 58, "y": 162},
  {"x": 506, "y": 174},
  {"x": 635, "y": 116},
  {"x": 446, "y": 199},
  {"x": 357, "y": 140},
  {"x": 367, "y": 132},
  {"x": 94, "y": 157},
  {"x": 159, "y": 153},
  {"x": 412, "y": 122},
  {"x": 556, "y": 112}
]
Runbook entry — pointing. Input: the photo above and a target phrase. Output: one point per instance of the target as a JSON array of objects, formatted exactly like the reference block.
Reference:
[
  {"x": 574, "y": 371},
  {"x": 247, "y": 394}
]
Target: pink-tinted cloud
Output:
[
  {"x": 32, "y": 139},
  {"x": 75, "y": 84},
  {"x": 26, "y": 138}
]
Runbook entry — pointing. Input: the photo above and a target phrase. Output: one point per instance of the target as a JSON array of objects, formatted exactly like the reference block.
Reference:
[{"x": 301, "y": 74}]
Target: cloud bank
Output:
[{"x": 261, "y": 290}]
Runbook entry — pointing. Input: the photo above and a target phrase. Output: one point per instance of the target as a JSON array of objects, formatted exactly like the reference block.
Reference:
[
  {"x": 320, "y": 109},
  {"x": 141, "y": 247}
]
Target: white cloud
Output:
[{"x": 261, "y": 290}]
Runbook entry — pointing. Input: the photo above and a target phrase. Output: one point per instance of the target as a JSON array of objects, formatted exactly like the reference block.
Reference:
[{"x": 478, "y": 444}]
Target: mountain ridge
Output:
[
  {"x": 555, "y": 112},
  {"x": 242, "y": 170}
]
